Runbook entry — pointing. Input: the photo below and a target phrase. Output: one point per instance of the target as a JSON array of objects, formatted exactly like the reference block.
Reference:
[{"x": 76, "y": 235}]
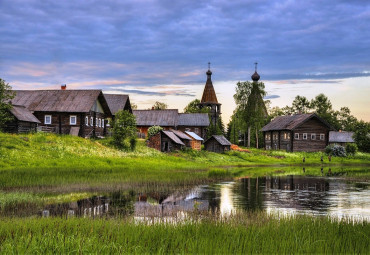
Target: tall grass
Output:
[{"x": 247, "y": 233}]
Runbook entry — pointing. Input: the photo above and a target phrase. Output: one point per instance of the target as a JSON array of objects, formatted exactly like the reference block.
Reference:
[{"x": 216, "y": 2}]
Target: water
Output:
[{"x": 285, "y": 195}]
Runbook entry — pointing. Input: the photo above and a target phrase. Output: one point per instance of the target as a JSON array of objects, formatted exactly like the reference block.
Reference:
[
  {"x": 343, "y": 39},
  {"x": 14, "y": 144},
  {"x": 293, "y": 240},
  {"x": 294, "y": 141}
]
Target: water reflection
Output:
[{"x": 279, "y": 194}]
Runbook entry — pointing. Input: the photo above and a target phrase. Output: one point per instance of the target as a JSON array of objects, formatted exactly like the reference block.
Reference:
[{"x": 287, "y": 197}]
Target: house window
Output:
[
  {"x": 296, "y": 136},
  {"x": 102, "y": 122},
  {"x": 92, "y": 121},
  {"x": 266, "y": 136},
  {"x": 47, "y": 119},
  {"x": 86, "y": 121},
  {"x": 99, "y": 122},
  {"x": 304, "y": 136},
  {"x": 72, "y": 120},
  {"x": 322, "y": 136},
  {"x": 313, "y": 136},
  {"x": 96, "y": 122},
  {"x": 288, "y": 136}
]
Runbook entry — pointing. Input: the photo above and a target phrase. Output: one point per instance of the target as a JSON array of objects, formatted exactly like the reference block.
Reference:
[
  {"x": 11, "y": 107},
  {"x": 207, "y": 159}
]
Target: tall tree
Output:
[
  {"x": 362, "y": 136},
  {"x": 300, "y": 104},
  {"x": 159, "y": 106},
  {"x": 6, "y": 94},
  {"x": 323, "y": 107},
  {"x": 195, "y": 107},
  {"x": 346, "y": 120}
]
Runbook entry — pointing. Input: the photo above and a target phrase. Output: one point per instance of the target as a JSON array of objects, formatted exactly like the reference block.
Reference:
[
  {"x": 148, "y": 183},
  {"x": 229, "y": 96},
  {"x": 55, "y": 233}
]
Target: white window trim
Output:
[
  {"x": 313, "y": 136},
  {"x": 91, "y": 121},
  {"x": 296, "y": 136},
  {"x": 99, "y": 122},
  {"x": 304, "y": 136},
  {"x": 87, "y": 120},
  {"x": 96, "y": 122},
  {"x": 47, "y": 122},
  {"x": 102, "y": 123},
  {"x": 70, "y": 120},
  {"x": 322, "y": 137}
]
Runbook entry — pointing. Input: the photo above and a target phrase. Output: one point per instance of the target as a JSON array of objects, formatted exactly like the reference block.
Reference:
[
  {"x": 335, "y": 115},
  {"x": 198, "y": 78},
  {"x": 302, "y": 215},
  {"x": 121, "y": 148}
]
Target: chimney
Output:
[{"x": 63, "y": 86}]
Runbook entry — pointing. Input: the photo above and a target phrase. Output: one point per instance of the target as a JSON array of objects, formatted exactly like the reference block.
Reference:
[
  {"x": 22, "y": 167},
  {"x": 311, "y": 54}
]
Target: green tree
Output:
[
  {"x": 346, "y": 120},
  {"x": 323, "y": 107},
  {"x": 6, "y": 94},
  {"x": 362, "y": 136},
  {"x": 300, "y": 104},
  {"x": 194, "y": 107},
  {"x": 124, "y": 129},
  {"x": 159, "y": 106},
  {"x": 153, "y": 130}
]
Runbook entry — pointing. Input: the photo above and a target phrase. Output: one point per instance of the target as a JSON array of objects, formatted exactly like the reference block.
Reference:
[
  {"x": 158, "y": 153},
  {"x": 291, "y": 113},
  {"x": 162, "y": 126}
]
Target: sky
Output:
[{"x": 159, "y": 50}]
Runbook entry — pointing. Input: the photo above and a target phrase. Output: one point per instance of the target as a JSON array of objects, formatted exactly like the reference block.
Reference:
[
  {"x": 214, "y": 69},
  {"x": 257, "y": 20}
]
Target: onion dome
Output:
[{"x": 255, "y": 76}]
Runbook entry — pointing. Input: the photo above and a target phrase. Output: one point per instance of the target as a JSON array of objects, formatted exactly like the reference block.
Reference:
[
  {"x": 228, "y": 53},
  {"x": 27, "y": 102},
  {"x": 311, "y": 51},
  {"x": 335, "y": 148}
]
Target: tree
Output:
[
  {"x": 133, "y": 106},
  {"x": 362, "y": 136},
  {"x": 159, "y": 106},
  {"x": 301, "y": 104},
  {"x": 124, "y": 128},
  {"x": 346, "y": 120},
  {"x": 6, "y": 94},
  {"x": 323, "y": 107},
  {"x": 194, "y": 107}
]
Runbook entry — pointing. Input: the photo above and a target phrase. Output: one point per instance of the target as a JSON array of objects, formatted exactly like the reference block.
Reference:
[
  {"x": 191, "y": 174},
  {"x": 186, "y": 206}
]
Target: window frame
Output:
[
  {"x": 91, "y": 121},
  {"x": 304, "y": 136},
  {"x": 96, "y": 122},
  {"x": 47, "y": 122},
  {"x": 296, "y": 136},
  {"x": 87, "y": 121},
  {"x": 70, "y": 120},
  {"x": 322, "y": 137},
  {"x": 313, "y": 136},
  {"x": 102, "y": 123},
  {"x": 99, "y": 122}
]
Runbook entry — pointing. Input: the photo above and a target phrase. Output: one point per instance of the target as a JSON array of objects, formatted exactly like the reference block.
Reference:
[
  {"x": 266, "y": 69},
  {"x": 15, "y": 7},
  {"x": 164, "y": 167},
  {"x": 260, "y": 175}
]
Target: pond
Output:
[{"x": 287, "y": 195}]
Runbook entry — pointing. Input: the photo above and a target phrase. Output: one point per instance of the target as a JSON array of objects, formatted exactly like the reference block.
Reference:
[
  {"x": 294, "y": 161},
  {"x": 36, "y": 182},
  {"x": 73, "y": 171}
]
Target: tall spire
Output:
[
  {"x": 209, "y": 72},
  {"x": 255, "y": 77},
  {"x": 209, "y": 94}
]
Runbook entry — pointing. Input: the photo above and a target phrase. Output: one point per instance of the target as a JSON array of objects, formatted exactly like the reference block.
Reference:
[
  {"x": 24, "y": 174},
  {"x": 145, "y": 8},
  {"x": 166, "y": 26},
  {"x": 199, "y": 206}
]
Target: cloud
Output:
[{"x": 271, "y": 97}]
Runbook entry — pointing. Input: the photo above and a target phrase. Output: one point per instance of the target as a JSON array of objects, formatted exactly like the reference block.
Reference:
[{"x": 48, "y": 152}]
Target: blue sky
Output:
[{"x": 158, "y": 50}]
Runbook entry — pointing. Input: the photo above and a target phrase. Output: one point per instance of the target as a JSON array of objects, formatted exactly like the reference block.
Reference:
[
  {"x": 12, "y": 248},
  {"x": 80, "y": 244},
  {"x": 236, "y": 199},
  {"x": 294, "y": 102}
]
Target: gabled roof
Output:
[
  {"x": 290, "y": 122},
  {"x": 173, "y": 137},
  {"x": 180, "y": 134},
  {"x": 23, "y": 114},
  {"x": 194, "y": 136},
  {"x": 60, "y": 100},
  {"x": 341, "y": 137},
  {"x": 220, "y": 139},
  {"x": 193, "y": 119},
  {"x": 117, "y": 102},
  {"x": 163, "y": 118}
]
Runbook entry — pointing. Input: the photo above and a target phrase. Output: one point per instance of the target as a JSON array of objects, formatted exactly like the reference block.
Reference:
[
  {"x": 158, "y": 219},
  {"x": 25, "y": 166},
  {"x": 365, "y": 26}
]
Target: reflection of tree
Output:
[
  {"x": 250, "y": 193},
  {"x": 213, "y": 198},
  {"x": 122, "y": 203}
]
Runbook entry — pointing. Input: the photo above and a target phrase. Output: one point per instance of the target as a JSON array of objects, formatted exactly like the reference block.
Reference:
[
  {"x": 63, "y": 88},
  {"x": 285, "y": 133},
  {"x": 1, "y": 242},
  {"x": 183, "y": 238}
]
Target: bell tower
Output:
[{"x": 209, "y": 98}]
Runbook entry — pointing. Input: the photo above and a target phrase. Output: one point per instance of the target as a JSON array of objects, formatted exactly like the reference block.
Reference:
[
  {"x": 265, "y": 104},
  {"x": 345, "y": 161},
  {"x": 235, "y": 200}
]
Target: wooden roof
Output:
[
  {"x": 60, "y": 100},
  {"x": 220, "y": 139},
  {"x": 341, "y": 137},
  {"x": 193, "y": 119},
  {"x": 163, "y": 118},
  {"x": 173, "y": 137},
  {"x": 180, "y": 134},
  {"x": 290, "y": 122},
  {"x": 23, "y": 114},
  {"x": 194, "y": 136},
  {"x": 209, "y": 94},
  {"x": 117, "y": 102}
]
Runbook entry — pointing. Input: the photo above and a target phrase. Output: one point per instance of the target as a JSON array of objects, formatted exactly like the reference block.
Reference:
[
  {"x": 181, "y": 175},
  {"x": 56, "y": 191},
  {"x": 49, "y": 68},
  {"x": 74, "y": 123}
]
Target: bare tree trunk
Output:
[
  {"x": 249, "y": 137},
  {"x": 256, "y": 138}
]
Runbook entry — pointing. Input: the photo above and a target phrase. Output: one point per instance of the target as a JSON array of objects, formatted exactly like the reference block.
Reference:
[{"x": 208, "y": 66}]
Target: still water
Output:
[{"x": 287, "y": 195}]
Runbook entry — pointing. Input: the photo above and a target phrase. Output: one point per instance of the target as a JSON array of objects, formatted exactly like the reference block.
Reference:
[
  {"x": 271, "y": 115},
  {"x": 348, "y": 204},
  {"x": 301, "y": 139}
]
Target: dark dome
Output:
[
  {"x": 255, "y": 76},
  {"x": 209, "y": 72}
]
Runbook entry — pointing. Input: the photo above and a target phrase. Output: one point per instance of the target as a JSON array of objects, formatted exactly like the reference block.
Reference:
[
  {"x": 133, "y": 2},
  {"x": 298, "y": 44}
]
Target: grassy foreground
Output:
[{"x": 252, "y": 233}]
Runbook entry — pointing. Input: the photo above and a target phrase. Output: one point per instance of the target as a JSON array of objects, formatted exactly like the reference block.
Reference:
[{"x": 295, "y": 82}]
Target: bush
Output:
[
  {"x": 351, "y": 148},
  {"x": 154, "y": 130},
  {"x": 335, "y": 150},
  {"x": 124, "y": 127}
]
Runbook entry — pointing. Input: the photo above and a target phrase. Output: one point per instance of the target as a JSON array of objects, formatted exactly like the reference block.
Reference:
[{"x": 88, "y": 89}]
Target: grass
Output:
[{"x": 244, "y": 233}]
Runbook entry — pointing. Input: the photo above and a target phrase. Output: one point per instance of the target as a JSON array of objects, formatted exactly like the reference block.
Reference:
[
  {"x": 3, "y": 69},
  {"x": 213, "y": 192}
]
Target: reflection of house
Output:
[
  {"x": 196, "y": 141},
  {"x": 341, "y": 137},
  {"x": 76, "y": 112},
  {"x": 217, "y": 143},
  {"x": 300, "y": 132},
  {"x": 171, "y": 119},
  {"x": 165, "y": 141},
  {"x": 23, "y": 120}
]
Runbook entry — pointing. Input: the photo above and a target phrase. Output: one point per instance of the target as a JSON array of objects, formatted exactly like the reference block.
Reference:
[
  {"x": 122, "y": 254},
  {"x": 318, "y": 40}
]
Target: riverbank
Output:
[{"x": 243, "y": 233}]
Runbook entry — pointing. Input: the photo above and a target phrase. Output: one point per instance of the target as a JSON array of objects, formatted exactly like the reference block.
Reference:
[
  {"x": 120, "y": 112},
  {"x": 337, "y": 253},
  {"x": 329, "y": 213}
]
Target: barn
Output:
[
  {"x": 23, "y": 120},
  {"x": 300, "y": 132},
  {"x": 217, "y": 143},
  {"x": 341, "y": 138},
  {"x": 165, "y": 141}
]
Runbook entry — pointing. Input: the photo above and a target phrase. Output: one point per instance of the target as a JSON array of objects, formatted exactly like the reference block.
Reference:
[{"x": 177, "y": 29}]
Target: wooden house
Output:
[
  {"x": 23, "y": 120},
  {"x": 341, "y": 137},
  {"x": 171, "y": 119},
  {"x": 196, "y": 141},
  {"x": 183, "y": 137},
  {"x": 300, "y": 132},
  {"x": 117, "y": 102},
  {"x": 76, "y": 112},
  {"x": 165, "y": 141},
  {"x": 217, "y": 143}
]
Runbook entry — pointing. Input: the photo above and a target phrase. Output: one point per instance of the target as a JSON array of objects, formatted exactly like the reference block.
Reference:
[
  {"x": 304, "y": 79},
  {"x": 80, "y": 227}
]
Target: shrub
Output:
[
  {"x": 154, "y": 130},
  {"x": 335, "y": 150},
  {"x": 124, "y": 127},
  {"x": 351, "y": 148}
]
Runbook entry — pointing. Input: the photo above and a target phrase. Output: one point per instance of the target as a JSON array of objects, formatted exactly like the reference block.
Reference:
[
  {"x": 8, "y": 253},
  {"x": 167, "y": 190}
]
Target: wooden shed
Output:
[
  {"x": 196, "y": 141},
  {"x": 165, "y": 141},
  {"x": 300, "y": 132},
  {"x": 23, "y": 122},
  {"x": 341, "y": 137},
  {"x": 217, "y": 143},
  {"x": 183, "y": 137}
]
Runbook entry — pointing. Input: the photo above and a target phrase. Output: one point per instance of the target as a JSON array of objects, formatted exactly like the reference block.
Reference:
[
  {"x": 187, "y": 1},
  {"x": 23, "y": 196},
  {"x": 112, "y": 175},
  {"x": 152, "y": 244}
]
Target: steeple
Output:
[{"x": 209, "y": 94}]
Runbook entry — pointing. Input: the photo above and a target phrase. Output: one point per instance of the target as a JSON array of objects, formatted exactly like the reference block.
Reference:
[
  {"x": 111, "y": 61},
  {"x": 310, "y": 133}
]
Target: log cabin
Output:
[
  {"x": 23, "y": 120},
  {"x": 196, "y": 141},
  {"x": 341, "y": 138},
  {"x": 300, "y": 132},
  {"x": 217, "y": 143},
  {"x": 165, "y": 141},
  {"x": 75, "y": 112}
]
